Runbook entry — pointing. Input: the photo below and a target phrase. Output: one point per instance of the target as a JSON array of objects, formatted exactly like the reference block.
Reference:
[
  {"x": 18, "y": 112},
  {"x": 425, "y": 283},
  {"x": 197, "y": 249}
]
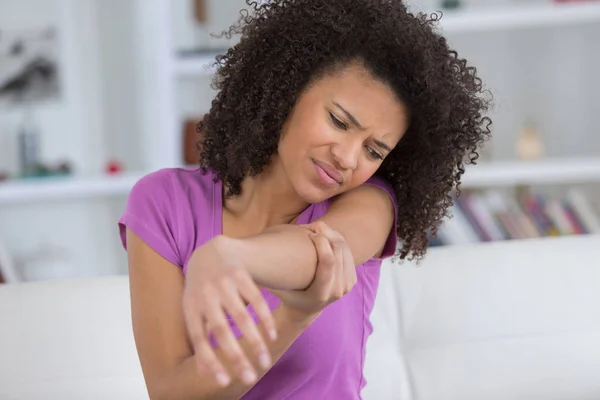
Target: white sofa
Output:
[{"x": 510, "y": 320}]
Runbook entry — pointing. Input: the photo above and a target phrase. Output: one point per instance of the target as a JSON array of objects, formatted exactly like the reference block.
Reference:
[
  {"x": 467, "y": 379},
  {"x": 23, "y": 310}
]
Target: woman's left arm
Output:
[{"x": 283, "y": 257}]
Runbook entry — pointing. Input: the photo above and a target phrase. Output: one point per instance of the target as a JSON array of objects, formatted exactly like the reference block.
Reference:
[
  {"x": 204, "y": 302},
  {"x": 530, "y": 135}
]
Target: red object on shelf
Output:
[{"x": 114, "y": 167}]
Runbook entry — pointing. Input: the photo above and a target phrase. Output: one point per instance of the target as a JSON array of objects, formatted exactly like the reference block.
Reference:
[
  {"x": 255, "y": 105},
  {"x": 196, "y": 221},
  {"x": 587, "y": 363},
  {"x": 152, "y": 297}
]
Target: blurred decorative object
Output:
[
  {"x": 28, "y": 75},
  {"x": 529, "y": 145},
  {"x": 114, "y": 167},
  {"x": 190, "y": 138},
  {"x": 200, "y": 10},
  {"x": 451, "y": 4},
  {"x": 28, "y": 65},
  {"x": 8, "y": 271},
  {"x": 29, "y": 145},
  {"x": 4, "y": 176},
  {"x": 62, "y": 168}
]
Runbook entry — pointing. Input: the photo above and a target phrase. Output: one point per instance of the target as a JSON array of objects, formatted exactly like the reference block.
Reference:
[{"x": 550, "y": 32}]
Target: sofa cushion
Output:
[
  {"x": 506, "y": 320},
  {"x": 68, "y": 339}
]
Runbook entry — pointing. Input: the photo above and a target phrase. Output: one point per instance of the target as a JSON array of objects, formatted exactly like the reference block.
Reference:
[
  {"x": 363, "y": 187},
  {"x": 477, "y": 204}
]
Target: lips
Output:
[{"x": 331, "y": 171}]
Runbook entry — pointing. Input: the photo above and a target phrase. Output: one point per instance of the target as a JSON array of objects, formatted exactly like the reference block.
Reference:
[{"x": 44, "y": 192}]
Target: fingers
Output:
[
  {"x": 349, "y": 270},
  {"x": 205, "y": 356},
  {"x": 236, "y": 308},
  {"x": 229, "y": 297},
  {"x": 324, "y": 276},
  {"x": 252, "y": 294},
  {"x": 337, "y": 244},
  {"x": 345, "y": 268},
  {"x": 217, "y": 323}
]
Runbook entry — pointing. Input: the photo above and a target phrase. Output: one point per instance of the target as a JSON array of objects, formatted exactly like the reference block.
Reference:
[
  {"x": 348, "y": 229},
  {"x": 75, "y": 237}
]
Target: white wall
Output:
[
  {"x": 120, "y": 86},
  {"x": 64, "y": 238}
]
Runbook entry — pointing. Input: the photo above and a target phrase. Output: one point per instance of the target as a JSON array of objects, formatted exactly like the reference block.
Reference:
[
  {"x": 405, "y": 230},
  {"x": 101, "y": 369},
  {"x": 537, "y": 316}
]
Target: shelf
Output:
[
  {"x": 551, "y": 171},
  {"x": 65, "y": 188},
  {"x": 497, "y": 174},
  {"x": 519, "y": 17}
]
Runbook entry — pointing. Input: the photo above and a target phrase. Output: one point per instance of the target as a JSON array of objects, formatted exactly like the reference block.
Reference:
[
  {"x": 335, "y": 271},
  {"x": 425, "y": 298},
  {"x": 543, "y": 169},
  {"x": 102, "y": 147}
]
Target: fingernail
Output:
[
  {"x": 272, "y": 334},
  {"x": 222, "y": 379},
  {"x": 264, "y": 360},
  {"x": 248, "y": 376}
]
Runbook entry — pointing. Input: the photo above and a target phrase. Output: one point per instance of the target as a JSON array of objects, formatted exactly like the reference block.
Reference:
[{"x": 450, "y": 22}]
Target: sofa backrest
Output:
[
  {"x": 510, "y": 320},
  {"x": 506, "y": 320},
  {"x": 68, "y": 339}
]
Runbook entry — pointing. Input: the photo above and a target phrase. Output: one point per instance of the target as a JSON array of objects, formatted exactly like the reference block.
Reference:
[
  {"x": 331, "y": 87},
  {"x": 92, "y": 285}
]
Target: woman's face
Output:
[{"x": 339, "y": 132}]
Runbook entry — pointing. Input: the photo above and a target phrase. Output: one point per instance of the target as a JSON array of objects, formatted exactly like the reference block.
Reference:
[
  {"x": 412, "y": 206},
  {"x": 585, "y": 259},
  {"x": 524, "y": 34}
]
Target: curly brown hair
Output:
[{"x": 286, "y": 44}]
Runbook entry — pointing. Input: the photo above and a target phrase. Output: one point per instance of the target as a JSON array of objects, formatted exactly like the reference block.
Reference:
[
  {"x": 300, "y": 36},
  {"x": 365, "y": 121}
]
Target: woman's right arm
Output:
[{"x": 161, "y": 337}]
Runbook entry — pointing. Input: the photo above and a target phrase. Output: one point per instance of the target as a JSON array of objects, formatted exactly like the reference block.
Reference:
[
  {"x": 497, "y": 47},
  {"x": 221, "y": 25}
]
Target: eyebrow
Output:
[
  {"x": 349, "y": 116},
  {"x": 359, "y": 126},
  {"x": 382, "y": 145}
]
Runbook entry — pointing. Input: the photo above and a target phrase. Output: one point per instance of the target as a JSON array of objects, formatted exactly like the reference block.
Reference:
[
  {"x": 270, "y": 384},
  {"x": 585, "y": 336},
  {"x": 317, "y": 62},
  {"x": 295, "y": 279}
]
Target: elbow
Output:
[
  {"x": 170, "y": 387},
  {"x": 160, "y": 386},
  {"x": 157, "y": 390}
]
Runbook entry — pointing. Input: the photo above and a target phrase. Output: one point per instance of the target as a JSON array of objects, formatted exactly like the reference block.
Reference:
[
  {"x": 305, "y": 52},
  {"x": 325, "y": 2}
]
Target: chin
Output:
[
  {"x": 313, "y": 194},
  {"x": 314, "y": 199}
]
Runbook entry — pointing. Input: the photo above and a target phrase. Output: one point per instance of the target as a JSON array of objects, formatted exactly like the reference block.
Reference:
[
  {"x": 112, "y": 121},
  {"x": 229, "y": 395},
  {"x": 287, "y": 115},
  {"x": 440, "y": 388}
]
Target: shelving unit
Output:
[
  {"x": 497, "y": 174},
  {"x": 467, "y": 23},
  {"x": 160, "y": 71},
  {"x": 551, "y": 171},
  {"x": 519, "y": 17},
  {"x": 169, "y": 67},
  {"x": 65, "y": 188},
  {"x": 478, "y": 20}
]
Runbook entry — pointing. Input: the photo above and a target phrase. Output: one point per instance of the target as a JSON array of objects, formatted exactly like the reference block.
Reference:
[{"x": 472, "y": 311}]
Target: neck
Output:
[{"x": 266, "y": 199}]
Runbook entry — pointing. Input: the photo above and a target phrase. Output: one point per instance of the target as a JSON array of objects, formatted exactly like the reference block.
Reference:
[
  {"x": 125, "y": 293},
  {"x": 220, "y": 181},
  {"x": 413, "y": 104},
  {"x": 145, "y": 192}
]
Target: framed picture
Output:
[{"x": 29, "y": 65}]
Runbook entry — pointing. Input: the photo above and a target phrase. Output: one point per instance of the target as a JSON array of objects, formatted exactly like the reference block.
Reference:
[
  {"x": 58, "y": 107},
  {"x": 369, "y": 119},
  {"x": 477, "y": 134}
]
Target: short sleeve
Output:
[
  {"x": 390, "y": 245},
  {"x": 150, "y": 214}
]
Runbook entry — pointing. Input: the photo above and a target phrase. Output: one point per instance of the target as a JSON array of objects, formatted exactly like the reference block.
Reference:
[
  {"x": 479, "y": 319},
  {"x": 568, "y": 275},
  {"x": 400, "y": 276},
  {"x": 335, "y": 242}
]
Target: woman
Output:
[{"x": 339, "y": 127}]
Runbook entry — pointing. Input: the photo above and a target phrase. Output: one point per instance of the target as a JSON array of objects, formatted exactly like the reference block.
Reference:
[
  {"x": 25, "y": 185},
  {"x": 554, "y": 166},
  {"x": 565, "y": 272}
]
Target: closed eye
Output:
[{"x": 337, "y": 122}]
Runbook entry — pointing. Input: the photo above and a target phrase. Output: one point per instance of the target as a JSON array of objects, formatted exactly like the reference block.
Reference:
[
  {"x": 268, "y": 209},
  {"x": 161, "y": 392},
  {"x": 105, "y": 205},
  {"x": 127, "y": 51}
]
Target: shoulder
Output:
[
  {"x": 378, "y": 182},
  {"x": 169, "y": 210},
  {"x": 376, "y": 191},
  {"x": 175, "y": 195},
  {"x": 370, "y": 208},
  {"x": 171, "y": 181},
  {"x": 170, "y": 188}
]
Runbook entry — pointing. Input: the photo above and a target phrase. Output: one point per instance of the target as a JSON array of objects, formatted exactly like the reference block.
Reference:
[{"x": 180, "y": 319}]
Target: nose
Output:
[{"x": 346, "y": 154}]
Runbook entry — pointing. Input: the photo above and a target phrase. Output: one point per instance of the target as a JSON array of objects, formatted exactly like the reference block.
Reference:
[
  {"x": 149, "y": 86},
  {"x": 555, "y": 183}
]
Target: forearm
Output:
[
  {"x": 184, "y": 382},
  {"x": 282, "y": 257}
]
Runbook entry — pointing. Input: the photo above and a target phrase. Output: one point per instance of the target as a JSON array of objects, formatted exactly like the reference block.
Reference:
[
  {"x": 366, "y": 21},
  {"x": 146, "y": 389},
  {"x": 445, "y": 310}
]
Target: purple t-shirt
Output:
[{"x": 176, "y": 210}]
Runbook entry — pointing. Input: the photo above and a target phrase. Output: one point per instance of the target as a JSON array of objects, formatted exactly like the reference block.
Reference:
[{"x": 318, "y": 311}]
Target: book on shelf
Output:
[{"x": 492, "y": 215}]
